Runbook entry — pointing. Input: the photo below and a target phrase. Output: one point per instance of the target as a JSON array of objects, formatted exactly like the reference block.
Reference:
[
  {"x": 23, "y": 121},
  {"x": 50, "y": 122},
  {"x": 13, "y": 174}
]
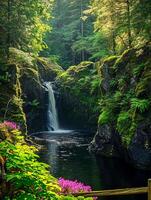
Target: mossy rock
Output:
[
  {"x": 106, "y": 72},
  {"x": 11, "y": 104},
  {"x": 79, "y": 86},
  {"x": 22, "y": 84},
  {"x": 48, "y": 70},
  {"x": 126, "y": 84}
]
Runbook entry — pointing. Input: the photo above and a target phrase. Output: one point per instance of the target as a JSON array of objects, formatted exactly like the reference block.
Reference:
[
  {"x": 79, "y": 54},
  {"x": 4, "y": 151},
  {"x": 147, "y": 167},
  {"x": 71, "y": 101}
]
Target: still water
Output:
[{"x": 67, "y": 154}]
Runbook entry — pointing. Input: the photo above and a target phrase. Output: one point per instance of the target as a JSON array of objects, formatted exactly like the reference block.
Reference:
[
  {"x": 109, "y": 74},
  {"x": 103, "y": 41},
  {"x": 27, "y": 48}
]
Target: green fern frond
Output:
[{"x": 140, "y": 104}]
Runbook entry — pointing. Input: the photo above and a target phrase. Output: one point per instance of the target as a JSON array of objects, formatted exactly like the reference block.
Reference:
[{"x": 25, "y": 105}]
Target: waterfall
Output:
[{"x": 52, "y": 117}]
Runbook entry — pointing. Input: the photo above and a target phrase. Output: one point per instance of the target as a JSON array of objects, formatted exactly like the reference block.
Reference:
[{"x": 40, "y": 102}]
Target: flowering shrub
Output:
[
  {"x": 24, "y": 175},
  {"x": 9, "y": 125},
  {"x": 69, "y": 186}
]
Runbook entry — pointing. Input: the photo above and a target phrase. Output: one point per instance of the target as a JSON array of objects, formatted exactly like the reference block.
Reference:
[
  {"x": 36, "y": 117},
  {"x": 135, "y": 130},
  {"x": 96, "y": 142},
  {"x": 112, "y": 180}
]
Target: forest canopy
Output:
[{"x": 76, "y": 30}]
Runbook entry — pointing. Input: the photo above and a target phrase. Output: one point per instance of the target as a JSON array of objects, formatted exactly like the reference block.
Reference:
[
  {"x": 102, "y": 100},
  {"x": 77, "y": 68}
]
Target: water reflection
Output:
[
  {"x": 115, "y": 173},
  {"x": 69, "y": 158},
  {"x": 52, "y": 148}
]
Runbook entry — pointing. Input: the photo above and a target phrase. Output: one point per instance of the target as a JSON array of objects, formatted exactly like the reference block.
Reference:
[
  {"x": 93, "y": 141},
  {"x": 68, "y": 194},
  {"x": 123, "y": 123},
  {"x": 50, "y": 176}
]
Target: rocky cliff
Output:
[
  {"x": 79, "y": 90},
  {"x": 124, "y": 125},
  {"x": 23, "y": 96},
  {"x": 11, "y": 103}
]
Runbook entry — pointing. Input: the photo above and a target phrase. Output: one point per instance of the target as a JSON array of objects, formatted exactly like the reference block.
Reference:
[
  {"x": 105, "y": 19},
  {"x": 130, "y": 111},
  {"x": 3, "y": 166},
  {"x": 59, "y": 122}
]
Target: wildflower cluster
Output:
[
  {"x": 69, "y": 186},
  {"x": 10, "y": 125}
]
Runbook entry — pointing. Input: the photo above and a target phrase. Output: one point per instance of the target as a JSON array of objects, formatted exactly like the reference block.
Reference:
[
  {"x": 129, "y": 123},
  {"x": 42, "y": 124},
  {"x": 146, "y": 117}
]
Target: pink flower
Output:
[
  {"x": 69, "y": 186},
  {"x": 10, "y": 125}
]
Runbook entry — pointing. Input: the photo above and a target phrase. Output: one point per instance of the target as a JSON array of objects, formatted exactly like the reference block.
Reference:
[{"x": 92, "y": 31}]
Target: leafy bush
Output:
[
  {"x": 25, "y": 176},
  {"x": 124, "y": 126}
]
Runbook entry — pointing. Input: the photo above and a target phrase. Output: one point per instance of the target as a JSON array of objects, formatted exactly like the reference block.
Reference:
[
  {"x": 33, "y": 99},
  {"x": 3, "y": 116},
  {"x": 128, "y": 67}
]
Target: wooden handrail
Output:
[{"x": 116, "y": 192}]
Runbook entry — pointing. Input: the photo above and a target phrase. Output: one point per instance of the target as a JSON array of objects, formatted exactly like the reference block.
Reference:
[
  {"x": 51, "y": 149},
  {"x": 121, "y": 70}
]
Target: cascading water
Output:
[{"x": 52, "y": 117}]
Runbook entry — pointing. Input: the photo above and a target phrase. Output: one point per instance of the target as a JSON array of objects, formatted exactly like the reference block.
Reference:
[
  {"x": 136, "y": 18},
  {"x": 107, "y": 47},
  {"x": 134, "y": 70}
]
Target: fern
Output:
[
  {"x": 138, "y": 70},
  {"x": 144, "y": 83},
  {"x": 95, "y": 84},
  {"x": 123, "y": 122},
  {"x": 140, "y": 104},
  {"x": 104, "y": 117}
]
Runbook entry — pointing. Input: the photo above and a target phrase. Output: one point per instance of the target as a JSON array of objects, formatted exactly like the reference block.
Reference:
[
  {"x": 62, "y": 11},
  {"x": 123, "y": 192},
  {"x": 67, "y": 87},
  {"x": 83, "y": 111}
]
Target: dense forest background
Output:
[{"x": 76, "y": 30}]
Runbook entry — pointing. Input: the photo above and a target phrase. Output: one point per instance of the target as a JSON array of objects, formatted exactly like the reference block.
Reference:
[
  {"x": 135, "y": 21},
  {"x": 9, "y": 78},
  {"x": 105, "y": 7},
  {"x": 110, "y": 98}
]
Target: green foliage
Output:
[
  {"x": 104, "y": 117},
  {"x": 140, "y": 104},
  {"x": 10, "y": 95},
  {"x": 119, "y": 21},
  {"x": 124, "y": 122},
  {"x": 20, "y": 57},
  {"x": 23, "y": 176},
  {"x": 24, "y": 173},
  {"x": 82, "y": 84},
  {"x": 127, "y": 103},
  {"x": 24, "y": 24},
  {"x": 69, "y": 39},
  {"x": 34, "y": 103},
  {"x": 95, "y": 84},
  {"x": 139, "y": 69},
  {"x": 109, "y": 105},
  {"x": 143, "y": 84}
]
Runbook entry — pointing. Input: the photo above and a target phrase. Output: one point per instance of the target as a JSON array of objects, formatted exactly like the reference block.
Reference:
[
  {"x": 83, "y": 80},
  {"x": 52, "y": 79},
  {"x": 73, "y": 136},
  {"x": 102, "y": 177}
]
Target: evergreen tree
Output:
[
  {"x": 125, "y": 23},
  {"x": 68, "y": 29},
  {"x": 23, "y": 24}
]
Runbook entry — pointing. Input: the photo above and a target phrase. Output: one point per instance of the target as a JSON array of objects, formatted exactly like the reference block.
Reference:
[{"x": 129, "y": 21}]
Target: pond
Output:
[{"x": 67, "y": 154}]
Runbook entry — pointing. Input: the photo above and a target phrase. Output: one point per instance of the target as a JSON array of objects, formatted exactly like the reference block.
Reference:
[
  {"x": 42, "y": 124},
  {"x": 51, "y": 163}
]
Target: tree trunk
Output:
[
  {"x": 82, "y": 31},
  {"x": 113, "y": 43},
  {"x": 2, "y": 178},
  {"x": 129, "y": 24},
  {"x": 8, "y": 26}
]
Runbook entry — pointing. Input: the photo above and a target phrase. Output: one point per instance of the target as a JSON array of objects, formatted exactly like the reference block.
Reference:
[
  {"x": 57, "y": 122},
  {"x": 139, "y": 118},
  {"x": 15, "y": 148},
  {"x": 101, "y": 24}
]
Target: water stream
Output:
[{"x": 52, "y": 116}]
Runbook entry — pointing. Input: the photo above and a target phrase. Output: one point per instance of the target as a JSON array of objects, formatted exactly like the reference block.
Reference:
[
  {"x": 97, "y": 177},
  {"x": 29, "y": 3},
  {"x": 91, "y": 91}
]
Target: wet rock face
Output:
[
  {"x": 140, "y": 148},
  {"x": 106, "y": 142}
]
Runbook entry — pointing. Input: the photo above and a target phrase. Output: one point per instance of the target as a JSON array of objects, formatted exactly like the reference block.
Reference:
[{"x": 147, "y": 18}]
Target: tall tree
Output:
[
  {"x": 24, "y": 23},
  {"x": 69, "y": 28},
  {"x": 124, "y": 22}
]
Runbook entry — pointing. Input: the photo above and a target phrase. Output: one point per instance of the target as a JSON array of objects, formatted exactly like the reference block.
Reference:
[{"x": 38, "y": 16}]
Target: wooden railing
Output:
[{"x": 118, "y": 192}]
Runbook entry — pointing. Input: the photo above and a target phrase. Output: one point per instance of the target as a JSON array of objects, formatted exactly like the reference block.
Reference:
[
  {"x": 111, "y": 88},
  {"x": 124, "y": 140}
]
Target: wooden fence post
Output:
[{"x": 149, "y": 189}]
